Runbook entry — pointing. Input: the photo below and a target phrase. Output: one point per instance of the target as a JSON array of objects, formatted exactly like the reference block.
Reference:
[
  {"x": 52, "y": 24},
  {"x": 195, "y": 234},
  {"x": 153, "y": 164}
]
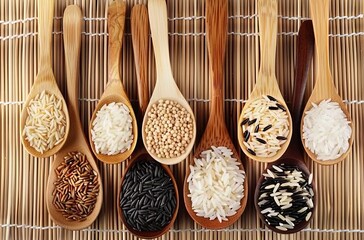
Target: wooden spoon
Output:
[
  {"x": 114, "y": 91},
  {"x": 139, "y": 33},
  {"x": 45, "y": 80},
  {"x": 165, "y": 87},
  {"x": 216, "y": 133},
  {"x": 266, "y": 83},
  {"x": 324, "y": 87},
  {"x": 76, "y": 141},
  {"x": 294, "y": 154}
]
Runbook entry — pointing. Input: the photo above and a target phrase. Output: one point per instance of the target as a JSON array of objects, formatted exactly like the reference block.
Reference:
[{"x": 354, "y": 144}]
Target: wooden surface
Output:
[{"x": 23, "y": 178}]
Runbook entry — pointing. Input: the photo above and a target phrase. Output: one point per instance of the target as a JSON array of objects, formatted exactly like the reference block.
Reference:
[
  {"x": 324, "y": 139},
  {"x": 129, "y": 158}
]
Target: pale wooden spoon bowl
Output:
[
  {"x": 324, "y": 88},
  {"x": 45, "y": 80},
  {"x": 76, "y": 140},
  {"x": 165, "y": 87},
  {"x": 266, "y": 83},
  {"x": 216, "y": 133},
  {"x": 140, "y": 31},
  {"x": 114, "y": 91}
]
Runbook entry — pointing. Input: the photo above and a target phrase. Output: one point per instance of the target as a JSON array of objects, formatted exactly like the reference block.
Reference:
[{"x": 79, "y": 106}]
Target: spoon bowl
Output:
[
  {"x": 45, "y": 80},
  {"x": 114, "y": 91},
  {"x": 294, "y": 154},
  {"x": 144, "y": 234},
  {"x": 216, "y": 133},
  {"x": 76, "y": 141},
  {"x": 165, "y": 88},
  {"x": 266, "y": 83},
  {"x": 301, "y": 165},
  {"x": 140, "y": 31},
  {"x": 324, "y": 88}
]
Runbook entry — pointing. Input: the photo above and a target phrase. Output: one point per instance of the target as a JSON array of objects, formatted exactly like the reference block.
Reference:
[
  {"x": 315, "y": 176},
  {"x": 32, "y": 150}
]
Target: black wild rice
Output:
[
  {"x": 148, "y": 198},
  {"x": 281, "y": 107},
  {"x": 281, "y": 138},
  {"x": 273, "y": 108},
  {"x": 261, "y": 140},
  {"x": 286, "y": 197},
  {"x": 267, "y": 127},
  {"x": 256, "y": 129},
  {"x": 251, "y": 152},
  {"x": 272, "y": 98},
  {"x": 252, "y": 121},
  {"x": 245, "y": 121}
]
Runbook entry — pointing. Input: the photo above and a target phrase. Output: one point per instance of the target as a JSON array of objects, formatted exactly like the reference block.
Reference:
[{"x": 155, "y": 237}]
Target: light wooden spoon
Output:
[
  {"x": 324, "y": 88},
  {"x": 266, "y": 83},
  {"x": 139, "y": 33},
  {"x": 45, "y": 80},
  {"x": 294, "y": 154},
  {"x": 216, "y": 133},
  {"x": 165, "y": 87},
  {"x": 76, "y": 140},
  {"x": 114, "y": 91}
]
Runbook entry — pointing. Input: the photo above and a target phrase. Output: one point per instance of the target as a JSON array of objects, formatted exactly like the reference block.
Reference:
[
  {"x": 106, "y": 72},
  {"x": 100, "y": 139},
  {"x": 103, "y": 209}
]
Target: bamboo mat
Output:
[{"x": 23, "y": 214}]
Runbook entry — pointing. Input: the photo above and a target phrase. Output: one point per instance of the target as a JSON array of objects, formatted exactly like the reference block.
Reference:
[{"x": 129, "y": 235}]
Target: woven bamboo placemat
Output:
[{"x": 23, "y": 213}]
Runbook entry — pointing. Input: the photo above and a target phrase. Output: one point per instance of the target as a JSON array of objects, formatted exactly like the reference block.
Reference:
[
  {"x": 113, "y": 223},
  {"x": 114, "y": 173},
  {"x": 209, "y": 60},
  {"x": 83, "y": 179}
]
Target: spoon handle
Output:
[
  {"x": 45, "y": 25},
  {"x": 216, "y": 33},
  {"x": 139, "y": 34},
  {"x": 267, "y": 11},
  {"x": 304, "y": 50},
  {"x": 116, "y": 21},
  {"x": 157, "y": 10},
  {"x": 320, "y": 19},
  {"x": 72, "y": 21}
]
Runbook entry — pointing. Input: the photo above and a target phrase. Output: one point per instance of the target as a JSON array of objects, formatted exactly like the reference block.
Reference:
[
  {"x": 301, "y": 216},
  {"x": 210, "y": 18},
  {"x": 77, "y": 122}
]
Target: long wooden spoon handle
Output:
[
  {"x": 116, "y": 22},
  {"x": 157, "y": 10},
  {"x": 139, "y": 33},
  {"x": 72, "y": 21},
  {"x": 305, "y": 47},
  {"x": 45, "y": 25},
  {"x": 320, "y": 19},
  {"x": 216, "y": 33},
  {"x": 267, "y": 11}
]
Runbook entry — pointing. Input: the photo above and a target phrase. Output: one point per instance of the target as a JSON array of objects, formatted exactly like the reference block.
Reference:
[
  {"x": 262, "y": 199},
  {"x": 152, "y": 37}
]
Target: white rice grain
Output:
[
  {"x": 217, "y": 189},
  {"x": 326, "y": 130},
  {"x": 112, "y": 129}
]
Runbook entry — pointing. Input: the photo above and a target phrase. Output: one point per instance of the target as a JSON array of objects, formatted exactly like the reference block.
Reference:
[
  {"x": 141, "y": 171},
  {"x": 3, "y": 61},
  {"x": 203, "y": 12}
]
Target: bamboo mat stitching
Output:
[
  {"x": 186, "y": 230},
  {"x": 24, "y": 35},
  {"x": 189, "y": 18},
  {"x": 244, "y": 34},
  {"x": 349, "y": 102}
]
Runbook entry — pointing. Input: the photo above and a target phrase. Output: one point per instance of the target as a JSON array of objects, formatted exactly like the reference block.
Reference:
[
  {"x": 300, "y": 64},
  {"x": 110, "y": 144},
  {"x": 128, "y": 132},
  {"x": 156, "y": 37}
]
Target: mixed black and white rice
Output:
[
  {"x": 286, "y": 197},
  {"x": 265, "y": 126}
]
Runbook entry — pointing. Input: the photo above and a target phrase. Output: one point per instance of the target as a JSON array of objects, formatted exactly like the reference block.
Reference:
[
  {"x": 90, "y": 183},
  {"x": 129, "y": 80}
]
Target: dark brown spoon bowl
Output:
[
  {"x": 302, "y": 166},
  {"x": 141, "y": 234}
]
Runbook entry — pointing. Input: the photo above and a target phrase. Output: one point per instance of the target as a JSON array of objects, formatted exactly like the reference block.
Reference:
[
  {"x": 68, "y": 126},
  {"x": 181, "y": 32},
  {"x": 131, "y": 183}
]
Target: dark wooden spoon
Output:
[
  {"x": 140, "y": 38},
  {"x": 294, "y": 154}
]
